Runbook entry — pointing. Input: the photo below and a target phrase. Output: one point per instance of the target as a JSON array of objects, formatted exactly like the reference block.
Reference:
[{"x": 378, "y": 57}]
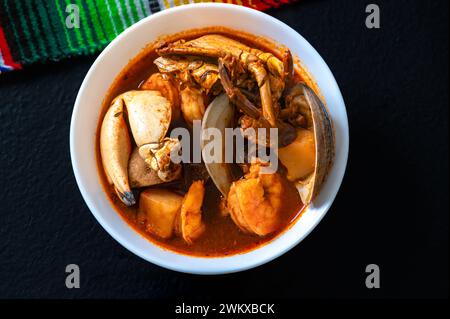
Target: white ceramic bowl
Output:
[{"x": 111, "y": 61}]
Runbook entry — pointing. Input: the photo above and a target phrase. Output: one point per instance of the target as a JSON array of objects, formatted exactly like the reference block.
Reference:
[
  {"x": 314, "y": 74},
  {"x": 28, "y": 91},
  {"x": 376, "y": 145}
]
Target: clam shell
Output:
[
  {"x": 219, "y": 114},
  {"x": 324, "y": 139}
]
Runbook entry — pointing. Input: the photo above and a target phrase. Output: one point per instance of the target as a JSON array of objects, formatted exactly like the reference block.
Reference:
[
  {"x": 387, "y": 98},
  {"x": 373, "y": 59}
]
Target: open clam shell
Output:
[
  {"x": 324, "y": 142},
  {"x": 219, "y": 115}
]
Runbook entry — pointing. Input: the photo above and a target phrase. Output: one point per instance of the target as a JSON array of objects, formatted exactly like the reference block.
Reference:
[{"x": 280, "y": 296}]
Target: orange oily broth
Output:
[{"x": 221, "y": 237}]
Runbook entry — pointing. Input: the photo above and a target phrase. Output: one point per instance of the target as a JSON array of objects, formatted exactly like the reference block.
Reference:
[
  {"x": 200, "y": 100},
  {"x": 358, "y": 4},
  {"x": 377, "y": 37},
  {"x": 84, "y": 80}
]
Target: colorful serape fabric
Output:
[{"x": 42, "y": 30}]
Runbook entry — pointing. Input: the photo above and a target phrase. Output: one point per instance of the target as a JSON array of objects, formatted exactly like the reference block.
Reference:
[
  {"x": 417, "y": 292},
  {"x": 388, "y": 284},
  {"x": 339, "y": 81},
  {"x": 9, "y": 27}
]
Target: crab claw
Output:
[
  {"x": 115, "y": 148},
  {"x": 149, "y": 116}
]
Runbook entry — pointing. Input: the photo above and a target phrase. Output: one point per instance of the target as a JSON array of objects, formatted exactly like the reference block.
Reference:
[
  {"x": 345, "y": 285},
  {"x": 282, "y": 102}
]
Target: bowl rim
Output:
[{"x": 74, "y": 153}]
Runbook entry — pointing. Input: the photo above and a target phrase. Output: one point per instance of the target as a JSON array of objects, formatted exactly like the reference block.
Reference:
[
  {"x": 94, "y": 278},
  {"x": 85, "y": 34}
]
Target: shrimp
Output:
[
  {"x": 188, "y": 100},
  {"x": 192, "y": 104},
  {"x": 189, "y": 223},
  {"x": 255, "y": 202},
  {"x": 166, "y": 86}
]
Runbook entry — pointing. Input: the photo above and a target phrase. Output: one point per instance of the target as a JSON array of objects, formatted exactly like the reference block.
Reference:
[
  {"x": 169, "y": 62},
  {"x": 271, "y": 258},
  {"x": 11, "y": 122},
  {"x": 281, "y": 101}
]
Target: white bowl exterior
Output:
[{"x": 114, "y": 58}]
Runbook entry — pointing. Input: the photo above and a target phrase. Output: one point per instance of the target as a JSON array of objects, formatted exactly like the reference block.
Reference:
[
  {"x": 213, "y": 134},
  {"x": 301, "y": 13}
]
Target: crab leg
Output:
[
  {"x": 236, "y": 95},
  {"x": 205, "y": 74},
  {"x": 220, "y": 42},
  {"x": 286, "y": 132},
  {"x": 262, "y": 79},
  {"x": 288, "y": 64},
  {"x": 252, "y": 62}
]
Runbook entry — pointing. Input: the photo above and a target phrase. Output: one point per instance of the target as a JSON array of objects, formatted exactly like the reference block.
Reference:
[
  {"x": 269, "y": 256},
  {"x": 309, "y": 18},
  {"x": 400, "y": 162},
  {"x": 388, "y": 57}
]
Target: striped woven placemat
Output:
[{"x": 42, "y": 30}]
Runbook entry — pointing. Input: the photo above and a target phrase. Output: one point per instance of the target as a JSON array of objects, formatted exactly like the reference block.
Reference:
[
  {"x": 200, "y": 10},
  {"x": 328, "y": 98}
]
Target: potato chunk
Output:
[
  {"x": 159, "y": 208},
  {"x": 299, "y": 157}
]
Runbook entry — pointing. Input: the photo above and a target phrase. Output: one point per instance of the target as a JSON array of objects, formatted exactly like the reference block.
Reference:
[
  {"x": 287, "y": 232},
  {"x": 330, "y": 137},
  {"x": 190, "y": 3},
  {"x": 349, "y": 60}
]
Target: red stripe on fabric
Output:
[
  {"x": 272, "y": 3},
  {"x": 262, "y": 6},
  {"x": 6, "y": 52}
]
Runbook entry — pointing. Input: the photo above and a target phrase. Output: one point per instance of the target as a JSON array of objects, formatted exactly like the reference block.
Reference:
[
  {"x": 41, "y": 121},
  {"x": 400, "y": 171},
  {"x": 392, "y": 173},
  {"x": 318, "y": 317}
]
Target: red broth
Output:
[{"x": 222, "y": 237}]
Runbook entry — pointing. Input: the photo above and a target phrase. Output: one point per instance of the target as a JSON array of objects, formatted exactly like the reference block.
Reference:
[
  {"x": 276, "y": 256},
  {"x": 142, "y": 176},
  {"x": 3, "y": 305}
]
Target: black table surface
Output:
[{"x": 392, "y": 208}]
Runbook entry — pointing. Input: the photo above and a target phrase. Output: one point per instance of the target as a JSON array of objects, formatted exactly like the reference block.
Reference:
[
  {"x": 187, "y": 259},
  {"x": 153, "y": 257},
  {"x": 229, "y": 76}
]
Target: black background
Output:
[{"x": 392, "y": 209}]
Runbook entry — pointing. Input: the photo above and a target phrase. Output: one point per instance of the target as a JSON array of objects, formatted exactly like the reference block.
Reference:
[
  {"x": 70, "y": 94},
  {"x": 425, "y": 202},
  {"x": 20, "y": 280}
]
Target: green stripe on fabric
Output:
[
  {"x": 89, "y": 26},
  {"x": 128, "y": 12},
  {"x": 36, "y": 29},
  {"x": 26, "y": 31},
  {"x": 50, "y": 11},
  {"x": 123, "y": 12},
  {"x": 98, "y": 17},
  {"x": 133, "y": 8},
  {"x": 74, "y": 32},
  {"x": 114, "y": 6},
  {"x": 85, "y": 27},
  {"x": 63, "y": 27},
  {"x": 28, "y": 55},
  {"x": 103, "y": 12},
  {"x": 146, "y": 7},
  {"x": 55, "y": 51},
  {"x": 96, "y": 22},
  {"x": 140, "y": 9},
  {"x": 14, "y": 29}
]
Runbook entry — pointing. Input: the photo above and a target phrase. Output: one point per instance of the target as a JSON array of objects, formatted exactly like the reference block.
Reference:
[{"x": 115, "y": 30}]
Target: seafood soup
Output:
[{"x": 211, "y": 80}]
